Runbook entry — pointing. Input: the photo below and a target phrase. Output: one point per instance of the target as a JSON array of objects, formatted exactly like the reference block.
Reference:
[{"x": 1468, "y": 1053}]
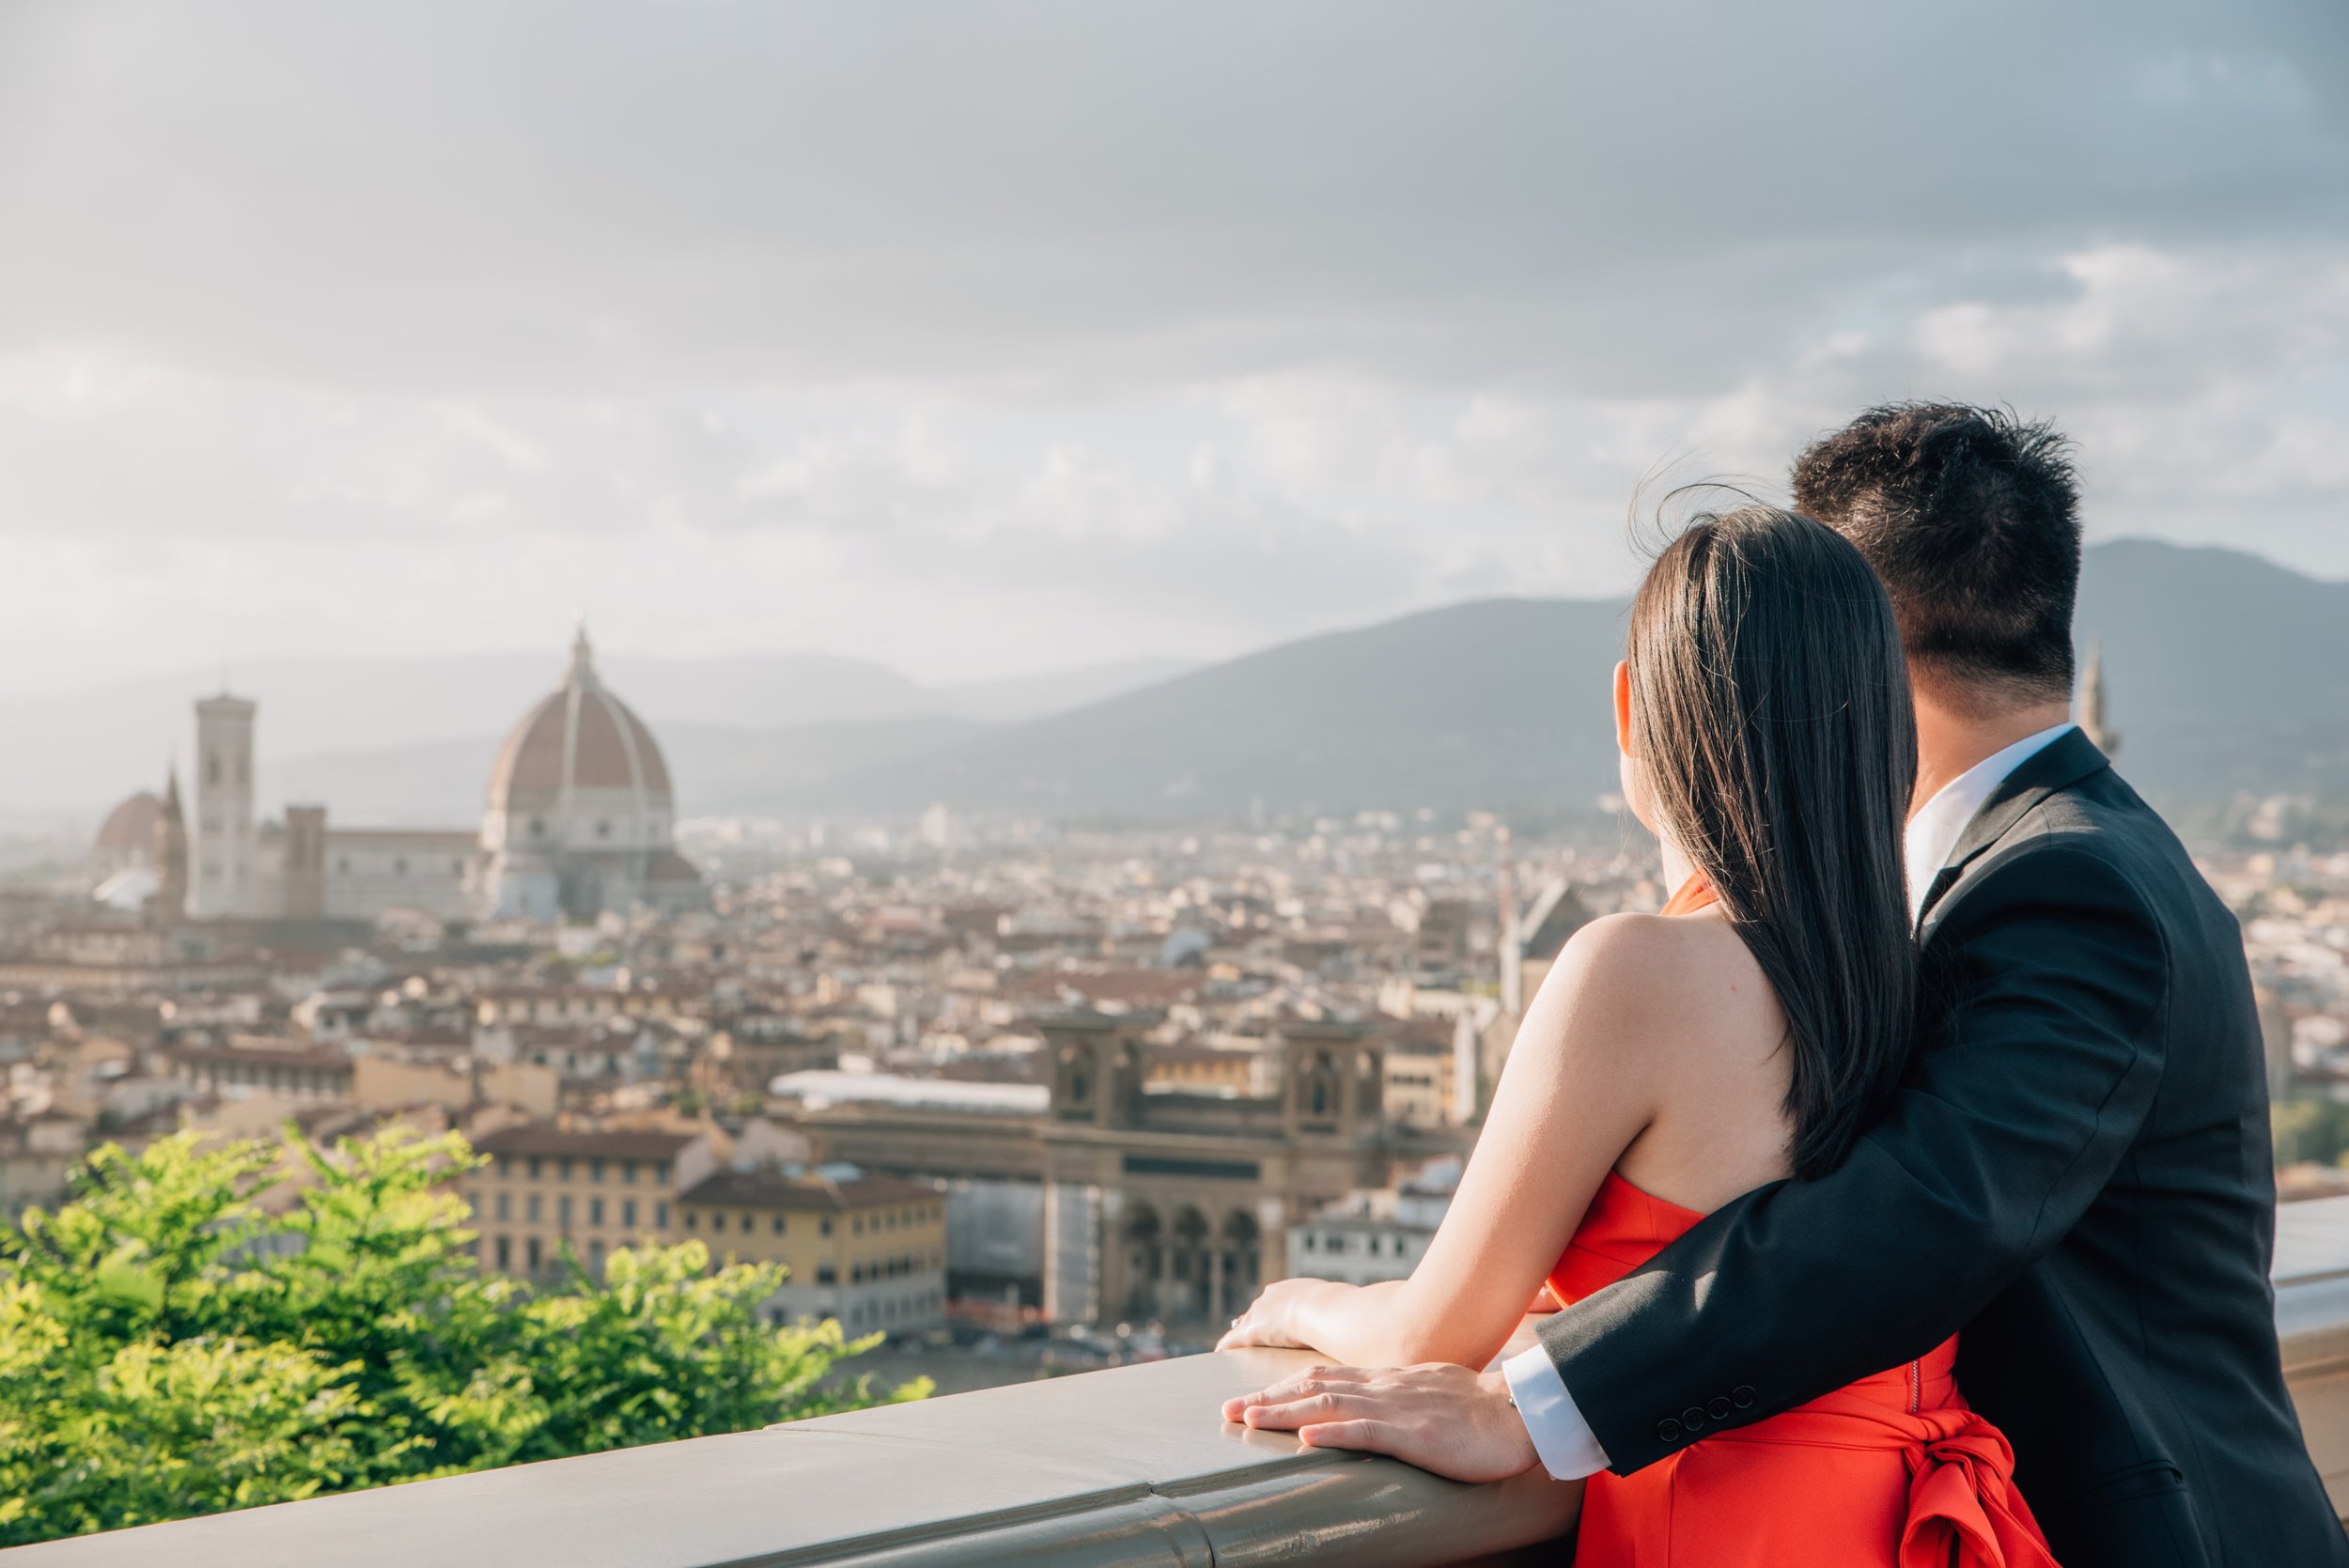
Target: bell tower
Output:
[
  {"x": 1333, "y": 1080},
  {"x": 221, "y": 847},
  {"x": 1096, "y": 1069}
]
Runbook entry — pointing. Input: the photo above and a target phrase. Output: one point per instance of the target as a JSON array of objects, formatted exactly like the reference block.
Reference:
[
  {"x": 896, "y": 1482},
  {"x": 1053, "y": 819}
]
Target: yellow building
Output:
[
  {"x": 598, "y": 1191},
  {"x": 1421, "y": 1072},
  {"x": 869, "y": 1251}
]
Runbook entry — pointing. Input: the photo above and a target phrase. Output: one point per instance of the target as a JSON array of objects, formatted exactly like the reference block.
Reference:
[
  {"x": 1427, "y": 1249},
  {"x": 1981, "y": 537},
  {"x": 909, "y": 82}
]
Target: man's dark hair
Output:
[{"x": 1971, "y": 518}]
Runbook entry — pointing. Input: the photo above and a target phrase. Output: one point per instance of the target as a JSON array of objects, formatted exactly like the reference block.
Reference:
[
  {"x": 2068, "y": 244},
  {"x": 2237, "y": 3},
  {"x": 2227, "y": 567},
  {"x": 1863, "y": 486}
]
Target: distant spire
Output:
[
  {"x": 583, "y": 655},
  {"x": 2093, "y": 719}
]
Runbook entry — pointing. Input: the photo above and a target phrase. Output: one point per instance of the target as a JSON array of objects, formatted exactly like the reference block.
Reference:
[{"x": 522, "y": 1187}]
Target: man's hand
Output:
[{"x": 1439, "y": 1417}]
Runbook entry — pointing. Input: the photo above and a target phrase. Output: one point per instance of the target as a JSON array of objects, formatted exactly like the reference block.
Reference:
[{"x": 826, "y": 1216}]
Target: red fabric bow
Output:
[{"x": 1964, "y": 1511}]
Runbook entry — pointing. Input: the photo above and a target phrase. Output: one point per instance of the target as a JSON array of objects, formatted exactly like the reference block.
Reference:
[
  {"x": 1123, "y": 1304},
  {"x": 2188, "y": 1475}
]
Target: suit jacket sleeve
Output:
[{"x": 2052, "y": 970}]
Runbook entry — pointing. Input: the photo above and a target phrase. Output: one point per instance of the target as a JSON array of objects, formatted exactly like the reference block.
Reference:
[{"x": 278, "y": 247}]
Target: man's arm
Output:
[{"x": 2003, "y": 1134}]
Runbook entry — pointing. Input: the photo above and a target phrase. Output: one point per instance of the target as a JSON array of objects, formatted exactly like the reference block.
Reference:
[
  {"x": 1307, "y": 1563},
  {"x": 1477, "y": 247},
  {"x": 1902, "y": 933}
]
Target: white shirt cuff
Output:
[{"x": 1564, "y": 1441}]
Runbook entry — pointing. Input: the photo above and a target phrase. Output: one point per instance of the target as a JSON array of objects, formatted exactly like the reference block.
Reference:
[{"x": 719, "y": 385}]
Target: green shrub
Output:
[{"x": 210, "y": 1326}]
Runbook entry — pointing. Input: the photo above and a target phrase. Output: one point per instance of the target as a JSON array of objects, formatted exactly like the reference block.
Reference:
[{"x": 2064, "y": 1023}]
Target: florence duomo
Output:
[{"x": 578, "y": 821}]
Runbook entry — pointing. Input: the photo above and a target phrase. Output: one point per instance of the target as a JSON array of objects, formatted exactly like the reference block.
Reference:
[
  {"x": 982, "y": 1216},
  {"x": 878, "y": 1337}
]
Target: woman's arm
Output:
[{"x": 1579, "y": 1087}]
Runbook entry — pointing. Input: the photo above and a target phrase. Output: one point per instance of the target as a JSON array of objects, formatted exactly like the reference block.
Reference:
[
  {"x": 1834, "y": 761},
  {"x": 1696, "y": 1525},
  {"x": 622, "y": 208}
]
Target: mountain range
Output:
[{"x": 2224, "y": 671}]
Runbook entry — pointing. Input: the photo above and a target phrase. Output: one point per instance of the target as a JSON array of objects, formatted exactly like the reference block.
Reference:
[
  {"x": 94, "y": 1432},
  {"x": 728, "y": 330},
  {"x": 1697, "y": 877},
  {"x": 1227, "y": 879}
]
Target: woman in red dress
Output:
[{"x": 1743, "y": 1035}]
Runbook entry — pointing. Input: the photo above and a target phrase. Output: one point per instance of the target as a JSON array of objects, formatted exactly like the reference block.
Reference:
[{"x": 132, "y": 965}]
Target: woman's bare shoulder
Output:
[{"x": 1677, "y": 977}]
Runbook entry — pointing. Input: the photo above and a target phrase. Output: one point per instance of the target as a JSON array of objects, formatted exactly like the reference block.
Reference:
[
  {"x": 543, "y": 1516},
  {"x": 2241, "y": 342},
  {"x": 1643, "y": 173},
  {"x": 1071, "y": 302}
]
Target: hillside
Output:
[
  {"x": 1502, "y": 700},
  {"x": 2225, "y": 671}
]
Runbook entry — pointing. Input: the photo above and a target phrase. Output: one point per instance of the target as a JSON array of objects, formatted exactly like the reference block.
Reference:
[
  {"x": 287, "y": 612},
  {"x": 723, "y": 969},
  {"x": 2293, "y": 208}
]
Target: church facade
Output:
[{"x": 578, "y": 822}]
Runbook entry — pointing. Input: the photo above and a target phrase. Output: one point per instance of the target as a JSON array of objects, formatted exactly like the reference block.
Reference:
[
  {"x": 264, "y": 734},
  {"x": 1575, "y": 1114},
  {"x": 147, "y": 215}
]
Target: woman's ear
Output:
[{"x": 1623, "y": 707}]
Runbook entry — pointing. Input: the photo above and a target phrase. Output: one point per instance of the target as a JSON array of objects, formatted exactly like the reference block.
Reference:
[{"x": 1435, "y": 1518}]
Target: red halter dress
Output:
[{"x": 1892, "y": 1472}]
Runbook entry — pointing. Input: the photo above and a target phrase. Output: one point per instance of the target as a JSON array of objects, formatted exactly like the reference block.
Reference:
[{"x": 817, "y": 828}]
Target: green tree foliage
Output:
[{"x": 212, "y": 1327}]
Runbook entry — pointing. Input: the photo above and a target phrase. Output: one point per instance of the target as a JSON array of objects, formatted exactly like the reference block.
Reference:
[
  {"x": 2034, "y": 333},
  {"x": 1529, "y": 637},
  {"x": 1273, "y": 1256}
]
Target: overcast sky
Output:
[{"x": 979, "y": 338}]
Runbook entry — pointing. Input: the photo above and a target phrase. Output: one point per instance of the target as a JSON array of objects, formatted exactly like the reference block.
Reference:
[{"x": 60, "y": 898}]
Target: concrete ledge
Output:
[{"x": 1130, "y": 1468}]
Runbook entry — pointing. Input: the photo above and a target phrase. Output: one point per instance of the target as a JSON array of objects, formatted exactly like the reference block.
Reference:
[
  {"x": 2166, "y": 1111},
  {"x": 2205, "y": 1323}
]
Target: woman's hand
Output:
[{"x": 1275, "y": 1317}]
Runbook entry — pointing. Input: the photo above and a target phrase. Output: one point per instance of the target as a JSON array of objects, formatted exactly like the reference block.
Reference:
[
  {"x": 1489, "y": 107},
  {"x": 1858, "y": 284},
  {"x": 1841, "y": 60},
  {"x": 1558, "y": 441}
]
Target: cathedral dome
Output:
[
  {"x": 580, "y": 814},
  {"x": 129, "y": 831},
  {"x": 577, "y": 742}
]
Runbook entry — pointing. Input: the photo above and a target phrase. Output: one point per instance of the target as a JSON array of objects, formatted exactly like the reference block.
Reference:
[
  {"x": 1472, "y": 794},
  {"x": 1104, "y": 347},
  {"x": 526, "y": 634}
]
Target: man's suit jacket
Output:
[{"x": 2076, "y": 1174}]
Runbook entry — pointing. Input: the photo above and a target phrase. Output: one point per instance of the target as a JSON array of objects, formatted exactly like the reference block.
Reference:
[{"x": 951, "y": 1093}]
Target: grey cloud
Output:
[
  {"x": 983, "y": 336},
  {"x": 451, "y": 196}
]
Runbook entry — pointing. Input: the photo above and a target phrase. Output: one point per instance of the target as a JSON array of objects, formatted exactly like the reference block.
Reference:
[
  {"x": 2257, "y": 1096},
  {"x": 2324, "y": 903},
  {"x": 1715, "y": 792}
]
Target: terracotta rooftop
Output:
[
  {"x": 581, "y": 736},
  {"x": 290, "y": 1054},
  {"x": 131, "y": 826},
  {"x": 544, "y": 1138},
  {"x": 768, "y": 1188}
]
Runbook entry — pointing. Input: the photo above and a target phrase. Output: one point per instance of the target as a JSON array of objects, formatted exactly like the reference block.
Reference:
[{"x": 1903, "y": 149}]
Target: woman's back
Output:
[{"x": 1718, "y": 1069}]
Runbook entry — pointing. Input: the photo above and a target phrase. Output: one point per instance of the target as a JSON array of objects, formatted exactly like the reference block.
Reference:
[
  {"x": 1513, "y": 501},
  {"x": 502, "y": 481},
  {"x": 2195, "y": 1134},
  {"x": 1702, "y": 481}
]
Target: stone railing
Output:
[{"x": 1130, "y": 1468}]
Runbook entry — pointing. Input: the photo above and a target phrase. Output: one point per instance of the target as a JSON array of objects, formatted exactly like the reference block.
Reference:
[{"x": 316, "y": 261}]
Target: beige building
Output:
[
  {"x": 250, "y": 1066},
  {"x": 869, "y": 1251},
  {"x": 1423, "y": 1068},
  {"x": 1178, "y": 1206},
  {"x": 387, "y": 1083},
  {"x": 598, "y": 1190}
]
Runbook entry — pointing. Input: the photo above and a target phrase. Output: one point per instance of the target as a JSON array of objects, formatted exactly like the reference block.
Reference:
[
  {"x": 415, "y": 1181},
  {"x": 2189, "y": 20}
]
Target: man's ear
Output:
[{"x": 1623, "y": 707}]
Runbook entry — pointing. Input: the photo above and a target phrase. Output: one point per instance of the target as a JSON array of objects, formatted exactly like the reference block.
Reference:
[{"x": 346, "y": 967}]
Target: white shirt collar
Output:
[{"x": 1940, "y": 822}]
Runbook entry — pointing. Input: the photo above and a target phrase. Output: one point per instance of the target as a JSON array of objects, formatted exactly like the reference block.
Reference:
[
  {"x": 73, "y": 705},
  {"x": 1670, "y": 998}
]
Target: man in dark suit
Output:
[{"x": 2077, "y": 1172}]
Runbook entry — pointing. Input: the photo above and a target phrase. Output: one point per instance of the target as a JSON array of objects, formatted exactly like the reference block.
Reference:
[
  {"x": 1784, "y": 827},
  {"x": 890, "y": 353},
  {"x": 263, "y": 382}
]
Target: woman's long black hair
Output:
[{"x": 1770, "y": 708}]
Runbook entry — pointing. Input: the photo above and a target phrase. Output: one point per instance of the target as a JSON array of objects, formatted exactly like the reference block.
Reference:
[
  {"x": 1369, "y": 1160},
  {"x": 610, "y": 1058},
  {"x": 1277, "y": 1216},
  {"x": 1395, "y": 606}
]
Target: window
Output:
[
  {"x": 824, "y": 1225},
  {"x": 693, "y": 1220},
  {"x": 563, "y": 1169},
  {"x": 746, "y": 1222},
  {"x": 825, "y": 1274},
  {"x": 595, "y": 1257},
  {"x": 595, "y": 1170},
  {"x": 628, "y": 1213},
  {"x": 562, "y": 1212},
  {"x": 534, "y": 1167},
  {"x": 778, "y": 1224},
  {"x": 660, "y": 1215},
  {"x": 532, "y": 1247},
  {"x": 595, "y": 1212},
  {"x": 533, "y": 1211},
  {"x": 627, "y": 1172},
  {"x": 856, "y": 1226},
  {"x": 505, "y": 1253},
  {"x": 505, "y": 1206}
]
